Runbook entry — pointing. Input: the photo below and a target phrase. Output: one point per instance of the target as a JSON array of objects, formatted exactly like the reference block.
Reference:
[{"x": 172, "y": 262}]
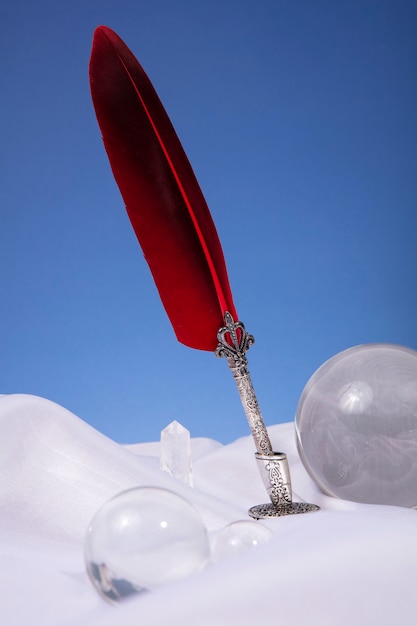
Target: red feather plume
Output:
[{"x": 164, "y": 202}]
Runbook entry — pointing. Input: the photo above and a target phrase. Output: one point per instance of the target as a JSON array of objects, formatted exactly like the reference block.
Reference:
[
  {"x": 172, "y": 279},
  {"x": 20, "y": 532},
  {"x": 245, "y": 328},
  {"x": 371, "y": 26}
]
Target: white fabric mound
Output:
[{"x": 346, "y": 564}]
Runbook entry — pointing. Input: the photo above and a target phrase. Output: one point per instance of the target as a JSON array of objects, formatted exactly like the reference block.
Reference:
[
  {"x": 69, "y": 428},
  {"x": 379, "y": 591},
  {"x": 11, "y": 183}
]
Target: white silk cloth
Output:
[{"x": 347, "y": 564}]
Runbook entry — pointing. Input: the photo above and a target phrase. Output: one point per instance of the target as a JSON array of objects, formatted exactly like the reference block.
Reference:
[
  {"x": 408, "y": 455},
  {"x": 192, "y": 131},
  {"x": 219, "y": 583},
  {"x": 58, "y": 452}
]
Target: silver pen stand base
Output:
[
  {"x": 275, "y": 474},
  {"x": 262, "y": 511}
]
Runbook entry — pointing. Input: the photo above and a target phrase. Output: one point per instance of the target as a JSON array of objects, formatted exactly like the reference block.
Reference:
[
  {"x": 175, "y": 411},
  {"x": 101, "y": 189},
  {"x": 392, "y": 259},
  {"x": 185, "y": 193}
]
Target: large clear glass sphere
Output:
[
  {"x": 356, "y": 425},
  {"x": 141, "y": 539}
]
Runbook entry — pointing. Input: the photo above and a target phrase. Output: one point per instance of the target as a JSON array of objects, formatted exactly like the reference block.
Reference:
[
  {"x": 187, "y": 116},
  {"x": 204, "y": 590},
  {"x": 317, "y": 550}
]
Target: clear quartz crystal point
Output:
[{"x": 176, "y": 452}]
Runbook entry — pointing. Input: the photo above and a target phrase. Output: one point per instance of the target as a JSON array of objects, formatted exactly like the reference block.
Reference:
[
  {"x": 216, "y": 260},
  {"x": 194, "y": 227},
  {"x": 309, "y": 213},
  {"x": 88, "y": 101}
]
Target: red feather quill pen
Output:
[
  {"x": 174, "y": 227},
  {"x": 163, "y": 199}
]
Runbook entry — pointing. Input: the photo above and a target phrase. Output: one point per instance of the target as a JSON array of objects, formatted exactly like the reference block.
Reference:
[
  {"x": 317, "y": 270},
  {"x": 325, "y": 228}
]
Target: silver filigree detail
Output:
[
  {"x": 275, "y": 473},
  {"x": 234, "y": 341},
  {"x": 280, "y": 493}
]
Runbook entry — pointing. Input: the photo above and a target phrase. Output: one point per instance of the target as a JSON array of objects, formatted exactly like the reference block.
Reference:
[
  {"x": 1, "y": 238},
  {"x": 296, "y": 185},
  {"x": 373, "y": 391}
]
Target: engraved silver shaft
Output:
[
  {"x": 250, "y": 405},
  {"x": 233, "y": 343}
]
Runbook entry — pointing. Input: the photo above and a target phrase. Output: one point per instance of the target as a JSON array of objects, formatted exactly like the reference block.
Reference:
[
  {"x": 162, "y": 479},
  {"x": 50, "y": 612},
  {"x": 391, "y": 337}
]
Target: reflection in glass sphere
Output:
[
  {"x": 239, "y": 537},
  {"x": 143, "y": 538},
  {"x": 356, "y": 425}
]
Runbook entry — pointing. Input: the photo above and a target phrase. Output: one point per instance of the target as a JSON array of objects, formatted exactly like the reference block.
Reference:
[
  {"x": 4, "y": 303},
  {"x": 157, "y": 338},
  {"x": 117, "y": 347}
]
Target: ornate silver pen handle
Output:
[{"x": 234, "y": 341}]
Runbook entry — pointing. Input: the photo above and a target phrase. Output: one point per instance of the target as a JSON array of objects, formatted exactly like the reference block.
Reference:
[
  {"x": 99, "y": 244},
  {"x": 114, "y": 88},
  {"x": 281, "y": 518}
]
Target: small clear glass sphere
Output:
[
  {"x": 356, "y": 425},
  {"x": 141, "y": 539},
  {"x": 239, "y": 537}
]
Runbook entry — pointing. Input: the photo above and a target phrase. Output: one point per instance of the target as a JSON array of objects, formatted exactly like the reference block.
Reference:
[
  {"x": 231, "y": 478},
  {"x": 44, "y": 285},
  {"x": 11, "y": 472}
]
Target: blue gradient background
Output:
[{"x": 299, "y": 119}]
